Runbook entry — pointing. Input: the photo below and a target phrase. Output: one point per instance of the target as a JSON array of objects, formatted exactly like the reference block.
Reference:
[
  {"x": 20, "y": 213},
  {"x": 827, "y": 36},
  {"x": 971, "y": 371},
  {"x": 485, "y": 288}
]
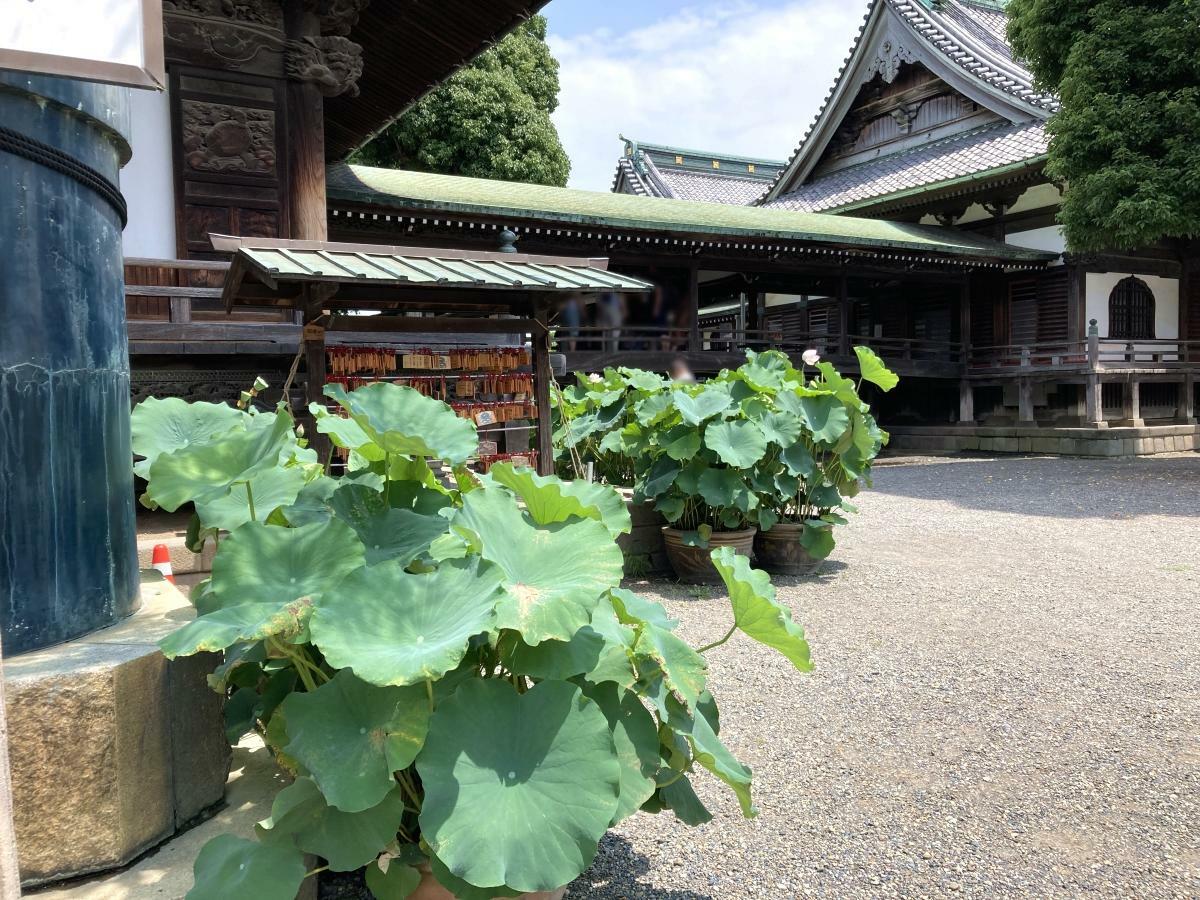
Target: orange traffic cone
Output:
[{"x": 161, "y": 560}]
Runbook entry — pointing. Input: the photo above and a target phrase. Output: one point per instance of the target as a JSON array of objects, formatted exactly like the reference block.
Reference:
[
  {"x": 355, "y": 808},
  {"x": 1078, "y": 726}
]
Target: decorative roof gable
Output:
[
  {"x": 655, "y": 170},
  {"x": 961, "y": 43}
]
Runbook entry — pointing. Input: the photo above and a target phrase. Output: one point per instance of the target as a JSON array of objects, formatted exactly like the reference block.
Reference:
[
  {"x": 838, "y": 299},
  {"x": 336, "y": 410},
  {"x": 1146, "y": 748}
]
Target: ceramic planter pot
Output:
[
  {"x": 693, "y": 565},
  {"x": 430, "y": 889},
  {"x": 780, "y": 552}
]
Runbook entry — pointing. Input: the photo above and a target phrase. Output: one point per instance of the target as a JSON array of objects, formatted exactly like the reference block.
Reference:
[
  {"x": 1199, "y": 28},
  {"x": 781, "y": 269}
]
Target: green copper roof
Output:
[{"x": 422, "y": 191}]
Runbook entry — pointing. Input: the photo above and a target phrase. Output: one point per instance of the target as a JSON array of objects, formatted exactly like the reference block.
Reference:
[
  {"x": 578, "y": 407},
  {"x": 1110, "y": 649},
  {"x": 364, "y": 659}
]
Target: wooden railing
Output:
[{"x": 1091, "y": 355}]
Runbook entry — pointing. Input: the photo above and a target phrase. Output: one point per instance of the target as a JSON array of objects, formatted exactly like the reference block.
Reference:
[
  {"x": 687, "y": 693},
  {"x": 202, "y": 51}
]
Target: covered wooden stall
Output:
[{"x": 414, "y": 294}]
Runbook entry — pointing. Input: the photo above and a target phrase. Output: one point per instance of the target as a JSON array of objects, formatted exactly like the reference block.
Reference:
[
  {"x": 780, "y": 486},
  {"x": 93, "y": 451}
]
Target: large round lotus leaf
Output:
[
  {"x": 351, "y": 736},
  {"x": 311, "y": 504},
  {"x": 616, "y": 658},
  {"x": 755, "y": 609},
  {"x": 720, "y": 487},
  {"x": 635, "y": 735},
  {"x": 208, "y": 469},
  {"x": 519, "y": 788},
  {"x": 707, "y": 402},
  {"x": 740, "y": 443},
  {"x": 662, "y": 474},
  {"x": 266, "y": 564},
  {"x": 396, "y": 628},
  {"x": 589, "y": 653},
  {"x": 163, "y": 426},
  {"x": 659, "y": 407},
  {"x": 397, "y": 883},
  {"x": 230, "y": 866},
  {"x": 765, "y": 371},
  {"x": 550, "y": 499},
  {"x": 663, "y": 655},
  {"x": 347, "y": 841},
  {"x": 345, "y": 433},
  {"x": 386, "y": 533},
  {"x": 268, "y": 490},
  {"x": 823, "y": 414},
  {"x": 633, "y": 609},
  {"x": 554, "y": 575},
  {"x": 402, "y": 420},
  {"x": 781, "y": 428},
  {"x": 681, "y": 442}
]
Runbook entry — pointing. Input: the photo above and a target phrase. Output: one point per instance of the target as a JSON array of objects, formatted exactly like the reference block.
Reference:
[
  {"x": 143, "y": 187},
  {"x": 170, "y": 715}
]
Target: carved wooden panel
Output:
[{"x": 230, "y": 156}]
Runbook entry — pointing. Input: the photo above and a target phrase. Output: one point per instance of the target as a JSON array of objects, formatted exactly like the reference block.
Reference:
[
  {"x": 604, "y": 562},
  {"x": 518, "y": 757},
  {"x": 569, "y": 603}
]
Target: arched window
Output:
[{"x": 1131, "y": 310}]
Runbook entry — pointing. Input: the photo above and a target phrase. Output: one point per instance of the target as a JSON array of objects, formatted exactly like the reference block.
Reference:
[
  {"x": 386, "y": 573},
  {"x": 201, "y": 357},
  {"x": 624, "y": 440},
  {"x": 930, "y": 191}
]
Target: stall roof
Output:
[{"x": 273, "y": 261}]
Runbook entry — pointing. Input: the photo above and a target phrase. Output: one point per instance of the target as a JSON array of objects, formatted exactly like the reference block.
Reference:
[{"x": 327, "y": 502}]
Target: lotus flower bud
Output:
[{"x": 811, "y": 357}]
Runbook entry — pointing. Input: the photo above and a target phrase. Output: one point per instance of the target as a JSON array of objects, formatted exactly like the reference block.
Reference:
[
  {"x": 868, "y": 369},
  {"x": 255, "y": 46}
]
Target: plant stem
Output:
[
  {"x": 429, "y": 691},
  {"x": 678, "y": 775},
  {"x": 315, "y": 871},
  {"x": 250, "y": 501},
  {"x": 728, "y": 635},
  {"x": 387, "y": 479},
  {"x": 407, "y": 786}
]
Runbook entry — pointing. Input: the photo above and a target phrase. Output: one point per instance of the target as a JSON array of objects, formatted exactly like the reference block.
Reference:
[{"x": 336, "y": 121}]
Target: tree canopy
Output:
[
  {"x": 1127, "y": 73},
  {"x": 491, "y": 119}
]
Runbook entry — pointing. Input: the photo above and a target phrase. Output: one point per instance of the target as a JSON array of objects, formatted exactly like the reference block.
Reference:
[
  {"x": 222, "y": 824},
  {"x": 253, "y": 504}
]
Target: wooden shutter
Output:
[
  {"x": 1052, "y": 306},
  {"x": 1023, "y": 311}
]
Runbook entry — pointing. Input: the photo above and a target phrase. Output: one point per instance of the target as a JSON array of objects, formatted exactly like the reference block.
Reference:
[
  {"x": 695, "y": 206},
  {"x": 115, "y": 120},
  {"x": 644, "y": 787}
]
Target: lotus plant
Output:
[{"x": 451, "y": 672}]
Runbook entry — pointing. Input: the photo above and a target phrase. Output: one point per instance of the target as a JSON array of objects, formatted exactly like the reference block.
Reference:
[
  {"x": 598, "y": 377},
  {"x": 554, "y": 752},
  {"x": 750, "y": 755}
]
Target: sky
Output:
[{"x": 732, "y": 76}]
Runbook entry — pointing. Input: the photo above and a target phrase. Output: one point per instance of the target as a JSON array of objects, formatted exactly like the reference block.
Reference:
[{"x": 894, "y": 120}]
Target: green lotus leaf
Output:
[
  {"x": 554, "y": 575},
  {"x": 616, "y": 658},
  {"x": 825, "y": 416},
  {"x": 590, "y": 652},
  {"x": 655, "y": 408},
  {"x": 351, "y": 736},
  {"x": 873, "y": 369},
  {"x": 635, "y": 735},
  {"x": 799, "y": 461},
  {"x": 708, "y": 750},
  {"x": 661, "y": 476},
  {"x": 227, "y": 625},
  {"x": 402, "y": 420},
  {"x": 346, "y": 841},
  {"x": 641, "y": 380},
  {"x": 634, "y": 609},
  {"x": 549, "y": 499},
  {"x": 386, "y": 533},
  {"x": 680, "y": 797},
  {"x": 834, "y": 382},
  {"x": 269, "y": 490},
  {"x": 740, "y": 443},
  {"x": 681, "y": 442},
  {"x": 817, "y": 538},
  {"x": 311, "y": 504},
  {"x": 519, "y": 788},
  {"x": 662, "y": 655},
  {"x": 461, "y": 889},
  {"x": 169, "y": 424},
  {"x": 706, "y": 403},
  {"x": 781, "y": 428},
  {"x": 720, "y": 487},
  {"x": 765, "y": 371},
  {"x": 346, "y": 433},
  {"x": 230, "y": 866},
  {"x": 756, "y": 612},
  {"x": 396, "y": 628},
  {"x": 397, "y": 883},
  {"x": 671, "y": 507},
  {"x": 206, "y": 469}
]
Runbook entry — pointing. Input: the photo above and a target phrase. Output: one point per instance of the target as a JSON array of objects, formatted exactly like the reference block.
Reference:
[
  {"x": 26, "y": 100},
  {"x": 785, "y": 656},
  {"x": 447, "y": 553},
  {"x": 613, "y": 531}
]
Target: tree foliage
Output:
[
  {"x": 1128, "y": 76},
  {"x": 491, "y": 119}
]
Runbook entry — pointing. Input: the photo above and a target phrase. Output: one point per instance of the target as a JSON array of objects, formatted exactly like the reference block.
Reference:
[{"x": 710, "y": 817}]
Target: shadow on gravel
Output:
[
  {"x": 614, "y": 876},
  {"x": 1058, "y": 487}
]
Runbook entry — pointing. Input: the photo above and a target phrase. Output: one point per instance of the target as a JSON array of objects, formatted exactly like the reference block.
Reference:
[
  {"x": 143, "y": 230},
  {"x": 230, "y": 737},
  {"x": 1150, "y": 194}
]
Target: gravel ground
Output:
[{"x": 1006, "y": 700}]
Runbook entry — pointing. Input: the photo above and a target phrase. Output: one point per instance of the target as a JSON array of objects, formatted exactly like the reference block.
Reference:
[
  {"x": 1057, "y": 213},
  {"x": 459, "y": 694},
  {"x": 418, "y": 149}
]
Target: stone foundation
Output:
[
  {"x": 113, "y": 748},
  {"x": 1098, "y": 442}
]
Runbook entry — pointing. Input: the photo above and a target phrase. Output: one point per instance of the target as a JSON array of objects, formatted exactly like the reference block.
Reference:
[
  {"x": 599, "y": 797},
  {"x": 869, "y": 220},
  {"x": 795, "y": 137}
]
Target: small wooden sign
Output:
[{"x": 313, "y": 333}]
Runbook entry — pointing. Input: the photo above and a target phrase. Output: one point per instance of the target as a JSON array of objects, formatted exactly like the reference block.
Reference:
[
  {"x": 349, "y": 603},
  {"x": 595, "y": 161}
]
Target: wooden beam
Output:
[
  {"x": 693, "y": 306},
  {"x": 436, "y": 325}
]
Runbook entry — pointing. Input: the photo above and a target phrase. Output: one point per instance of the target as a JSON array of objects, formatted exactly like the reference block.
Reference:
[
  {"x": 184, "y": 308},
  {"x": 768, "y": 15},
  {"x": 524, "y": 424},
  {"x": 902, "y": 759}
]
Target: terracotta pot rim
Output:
[{"x": 740, "y": 533}]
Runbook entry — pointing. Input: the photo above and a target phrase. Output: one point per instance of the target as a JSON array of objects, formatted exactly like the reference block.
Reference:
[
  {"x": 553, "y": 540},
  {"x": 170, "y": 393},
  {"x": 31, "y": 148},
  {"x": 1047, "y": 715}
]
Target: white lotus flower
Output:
[
  {"x": 811, "y": 357},
  {"x": 595, "y": 378}
]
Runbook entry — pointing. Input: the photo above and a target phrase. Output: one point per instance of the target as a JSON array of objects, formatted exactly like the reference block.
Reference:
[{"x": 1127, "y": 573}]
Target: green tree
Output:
[
  {"x": 491, "y": 119},
  {"x": 1125, "y": 140}
]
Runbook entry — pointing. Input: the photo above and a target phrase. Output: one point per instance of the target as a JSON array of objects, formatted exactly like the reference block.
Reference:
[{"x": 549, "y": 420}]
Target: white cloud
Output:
[{"x": 733, "y": 77}]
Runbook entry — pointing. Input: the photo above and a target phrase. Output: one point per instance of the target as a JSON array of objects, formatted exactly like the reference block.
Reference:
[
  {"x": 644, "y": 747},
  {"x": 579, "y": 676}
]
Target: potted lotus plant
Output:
[
  {"x": 465, "y": 698},
  {"x": 804, "y": 485}
]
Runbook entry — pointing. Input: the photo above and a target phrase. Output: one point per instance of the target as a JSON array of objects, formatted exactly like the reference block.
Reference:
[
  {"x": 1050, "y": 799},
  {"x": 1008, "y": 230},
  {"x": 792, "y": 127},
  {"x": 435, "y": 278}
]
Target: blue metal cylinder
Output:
[{"x": 68, "y": 549}]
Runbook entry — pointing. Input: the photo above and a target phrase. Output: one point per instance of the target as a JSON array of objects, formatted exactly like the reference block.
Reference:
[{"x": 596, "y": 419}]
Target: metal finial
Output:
[
  {"x": 1093, "y": 328},
  {"x": 508, "y": 241}
]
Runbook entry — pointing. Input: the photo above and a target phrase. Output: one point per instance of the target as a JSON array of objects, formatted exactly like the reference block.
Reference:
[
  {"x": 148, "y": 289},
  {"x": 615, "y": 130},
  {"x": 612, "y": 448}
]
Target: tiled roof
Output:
[
  {"x": 432, "y": 195},
  {"x": 974, "y": 153},
  {"x": 969, "y": 33},
  {"x": 647, "y": 180}
]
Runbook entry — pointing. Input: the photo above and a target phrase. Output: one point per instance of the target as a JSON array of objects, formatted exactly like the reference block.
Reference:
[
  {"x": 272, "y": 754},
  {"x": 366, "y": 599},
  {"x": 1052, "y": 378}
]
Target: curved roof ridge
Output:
[{"x": 967, "y": 52}]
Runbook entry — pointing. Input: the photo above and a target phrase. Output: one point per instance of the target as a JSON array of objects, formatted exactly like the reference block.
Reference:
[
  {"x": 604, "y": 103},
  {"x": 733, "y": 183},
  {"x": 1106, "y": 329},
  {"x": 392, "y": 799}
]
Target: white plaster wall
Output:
[
  {"x": 1049, "y": 238},
  {"x": 147, "y": 181},
  {"x": 1166, "y": 301}
]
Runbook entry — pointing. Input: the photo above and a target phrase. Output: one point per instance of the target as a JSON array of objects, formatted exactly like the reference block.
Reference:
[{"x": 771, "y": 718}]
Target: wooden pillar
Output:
[
  {"x": 693, "y": 307},
  {"x": 964, "y": 321},
  {"x": 843, "y": 315},
  {"x": 542, "y": 375},
  {"x": 306, "y": 136},
  {"x": 1025, "y": 402},
  {"x": 313, "y": 339},
  {"x": 1185, "y": 409},
  {"x": 1131, "y": 404},
  {"x": 1094, "y": 402},
  {"x": 966, "y": 403},
  {"x": 1076, "y": 303}
]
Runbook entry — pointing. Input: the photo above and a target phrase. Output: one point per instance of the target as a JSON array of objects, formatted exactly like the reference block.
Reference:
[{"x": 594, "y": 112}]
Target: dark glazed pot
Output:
[
  {"x": 780, "y": 552},
  {"x": 693, "y": 565}
]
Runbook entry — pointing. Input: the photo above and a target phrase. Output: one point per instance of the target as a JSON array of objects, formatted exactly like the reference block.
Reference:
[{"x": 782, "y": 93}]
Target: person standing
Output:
[{"x": 610, "y": 316}]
